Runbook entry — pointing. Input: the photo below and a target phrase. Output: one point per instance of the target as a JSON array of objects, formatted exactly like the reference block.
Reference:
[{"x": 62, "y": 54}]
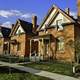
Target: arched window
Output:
[{"x": 60, "y": 44}]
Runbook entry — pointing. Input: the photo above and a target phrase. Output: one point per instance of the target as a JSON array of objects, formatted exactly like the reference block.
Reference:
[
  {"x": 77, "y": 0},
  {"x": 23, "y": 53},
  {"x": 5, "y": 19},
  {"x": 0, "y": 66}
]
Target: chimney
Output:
[
  {"x": 12, "y": 26},
  {"x": 67, "y": 10},
  {"x": 34, "y": 22},
  {"x": 78, "y": 6}
]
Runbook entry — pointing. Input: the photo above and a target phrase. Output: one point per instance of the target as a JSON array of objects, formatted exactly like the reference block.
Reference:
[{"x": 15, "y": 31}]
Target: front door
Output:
[
  {"x": 5, "y": 49},
  {"x": 46, "y": 47}
]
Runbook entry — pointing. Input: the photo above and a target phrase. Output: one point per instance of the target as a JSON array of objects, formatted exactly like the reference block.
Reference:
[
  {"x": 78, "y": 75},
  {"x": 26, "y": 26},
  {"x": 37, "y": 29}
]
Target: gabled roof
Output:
[
  {"x": 58, "y": 10},
  {"x": 5, "y": 31},
  {"x": 27, "y": 26}
]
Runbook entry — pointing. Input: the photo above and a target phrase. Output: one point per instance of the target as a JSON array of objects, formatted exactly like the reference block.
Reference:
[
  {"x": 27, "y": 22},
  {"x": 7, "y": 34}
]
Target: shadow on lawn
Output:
[
  {"x": 5, "y": 69},
  {"x": 8, "y": 73}
]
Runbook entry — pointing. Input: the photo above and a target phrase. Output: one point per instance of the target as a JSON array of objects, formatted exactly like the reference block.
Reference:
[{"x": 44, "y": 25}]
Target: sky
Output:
[{"x": 11, "y": 10}]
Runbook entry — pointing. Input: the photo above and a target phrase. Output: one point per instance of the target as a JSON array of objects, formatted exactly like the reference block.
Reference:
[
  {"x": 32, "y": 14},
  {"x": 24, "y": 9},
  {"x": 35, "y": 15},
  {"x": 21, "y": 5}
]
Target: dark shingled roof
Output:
[
  {"x": 27, "y": 26},
  {"x": 5, "y": 31}
]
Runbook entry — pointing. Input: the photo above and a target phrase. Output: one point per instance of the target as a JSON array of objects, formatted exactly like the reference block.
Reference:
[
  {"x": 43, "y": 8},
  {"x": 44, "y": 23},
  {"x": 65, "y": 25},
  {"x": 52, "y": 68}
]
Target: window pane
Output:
[
  {"x": 19, "y": 46},
  {"x": 60, "y": 45}
]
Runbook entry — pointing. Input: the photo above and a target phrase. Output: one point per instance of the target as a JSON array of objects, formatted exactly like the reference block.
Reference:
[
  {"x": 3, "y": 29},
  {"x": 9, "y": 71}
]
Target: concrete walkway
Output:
[{"x": 50, "y": 75}]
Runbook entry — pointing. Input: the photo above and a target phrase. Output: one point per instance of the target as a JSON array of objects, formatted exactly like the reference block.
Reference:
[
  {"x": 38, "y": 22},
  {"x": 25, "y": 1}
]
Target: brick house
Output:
[
  {"x": 55, "y": 33},
  {"x": 4, "y": 40},
  {"x": 20, "y": 34}
]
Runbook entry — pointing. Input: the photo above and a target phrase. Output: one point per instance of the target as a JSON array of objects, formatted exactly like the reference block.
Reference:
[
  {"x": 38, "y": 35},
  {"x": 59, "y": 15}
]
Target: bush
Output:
[{"x": 78, "y": 69}]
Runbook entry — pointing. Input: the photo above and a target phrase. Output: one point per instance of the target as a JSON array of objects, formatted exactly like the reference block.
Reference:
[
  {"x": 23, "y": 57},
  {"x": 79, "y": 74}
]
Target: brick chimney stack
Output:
[
  {"x": 12, "y": 26},
  {"x": 67, "y": 10},
  {"x": 78, "y": 5},
  {"x": 34, "y": 22}
]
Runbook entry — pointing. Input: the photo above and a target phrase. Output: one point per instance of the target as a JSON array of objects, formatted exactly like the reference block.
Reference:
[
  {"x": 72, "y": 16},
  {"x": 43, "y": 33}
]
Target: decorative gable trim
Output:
[
  {"x": 46, "y": 17},
  {"x": 1, "y": 35},
  {"x": 14, "y": 29},
  {"x": 54, "y": 16},
  {"x": 19, "y": 30},
  {"x": 55, "y": 12}
]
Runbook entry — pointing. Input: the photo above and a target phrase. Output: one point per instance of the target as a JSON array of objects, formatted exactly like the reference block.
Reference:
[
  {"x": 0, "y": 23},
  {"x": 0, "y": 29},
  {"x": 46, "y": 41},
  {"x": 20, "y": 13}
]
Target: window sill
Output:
[{"x": 61, "y": 52}]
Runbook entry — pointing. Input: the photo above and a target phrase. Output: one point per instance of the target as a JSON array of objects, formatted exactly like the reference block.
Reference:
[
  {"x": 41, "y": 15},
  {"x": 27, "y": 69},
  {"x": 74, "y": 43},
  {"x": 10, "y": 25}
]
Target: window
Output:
[
  {"x": 60, "y": 44},
  {"x": 5, "y": 46},
  {"x": 18, "y": 46},
  {"x": 45, "y": 29},
  {"x": 13, "y": 47},
  {"x": 19, "y": 32},
  {"x": 0, "y": 34},
  {"x": 0, "y": 43},
  {"x": 59, "y": 24}
]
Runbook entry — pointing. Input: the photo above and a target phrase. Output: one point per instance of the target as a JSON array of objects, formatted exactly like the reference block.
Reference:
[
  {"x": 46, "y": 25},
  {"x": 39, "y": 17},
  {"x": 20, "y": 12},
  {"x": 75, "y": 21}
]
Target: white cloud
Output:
[
  {"x": 5, "y": 14},
  {"x": 7, "y": 24},
  {"x": 9, "y": 13},
  {"x": 28, "y": 15},
  {"x": 74, "y": 14},
  {"x": 16, "y": 12}
]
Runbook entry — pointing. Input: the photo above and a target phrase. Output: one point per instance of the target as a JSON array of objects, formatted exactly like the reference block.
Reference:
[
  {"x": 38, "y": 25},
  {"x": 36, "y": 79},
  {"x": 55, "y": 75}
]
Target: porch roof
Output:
[
  {"x": 14, "y": 41},
  {"x": 47, "y": 36}
]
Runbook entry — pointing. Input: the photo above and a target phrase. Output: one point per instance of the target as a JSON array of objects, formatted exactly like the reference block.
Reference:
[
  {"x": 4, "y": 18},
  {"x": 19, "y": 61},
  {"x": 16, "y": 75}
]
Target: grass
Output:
[
  {"x": 18, "y": 75},
  {"x": 56, "y": 67},
  {"x": 13, "y": 59}
]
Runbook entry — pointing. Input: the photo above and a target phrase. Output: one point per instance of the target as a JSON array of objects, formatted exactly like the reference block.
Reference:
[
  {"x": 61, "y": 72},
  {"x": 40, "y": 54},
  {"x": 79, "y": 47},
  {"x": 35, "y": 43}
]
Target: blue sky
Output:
[{"x": 10, "y": 10}]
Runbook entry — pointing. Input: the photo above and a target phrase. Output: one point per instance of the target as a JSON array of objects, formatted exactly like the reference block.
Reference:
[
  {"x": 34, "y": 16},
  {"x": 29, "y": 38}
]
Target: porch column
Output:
[
  {"x": 30, "y": 47},
  {"x": 8, "y": 47},
  {"x": 49, "y": 52},
  {"x": 43, "y": 48},
  {"x": 39, "y": 48}
]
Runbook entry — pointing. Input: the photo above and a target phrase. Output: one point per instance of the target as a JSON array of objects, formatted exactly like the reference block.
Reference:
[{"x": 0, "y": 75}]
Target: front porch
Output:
[
  {"x": 15, "y": 47},
  {"x": 6, "y": 48},
  {"x": 40, "y": 48}
]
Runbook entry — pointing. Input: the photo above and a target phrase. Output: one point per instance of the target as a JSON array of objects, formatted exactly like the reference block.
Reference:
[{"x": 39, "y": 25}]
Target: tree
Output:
[
  {"x": 76, "y": 46},
  {"x": 77, "y": 49}
]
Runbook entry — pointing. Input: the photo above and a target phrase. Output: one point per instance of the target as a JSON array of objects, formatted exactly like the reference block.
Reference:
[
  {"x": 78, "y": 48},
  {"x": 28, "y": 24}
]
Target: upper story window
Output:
[
  {"x": 59, "y": 24},
  {"x": 0, "y": 34},
  {"x": 18, "y": 46},
  {"x": 0, "y": 43},
  {"x": 19, "y": 30},
  {"x": 60, "y": 44},
  {"x": 45, "y": 29}
]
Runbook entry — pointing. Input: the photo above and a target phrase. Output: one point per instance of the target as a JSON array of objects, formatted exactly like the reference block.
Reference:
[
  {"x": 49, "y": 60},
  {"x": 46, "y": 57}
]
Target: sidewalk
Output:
[{"x": 50, "y": 75}]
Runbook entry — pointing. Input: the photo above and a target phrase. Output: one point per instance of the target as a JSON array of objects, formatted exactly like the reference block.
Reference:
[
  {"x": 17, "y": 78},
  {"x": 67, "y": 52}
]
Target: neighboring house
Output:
[
  {"x": 20, "y": 34},
  {"x": 4, "y": 40},
  {"x": 55, "y": 33}
]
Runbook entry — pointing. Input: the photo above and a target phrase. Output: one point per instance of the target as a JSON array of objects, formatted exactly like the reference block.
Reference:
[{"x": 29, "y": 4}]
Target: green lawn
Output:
[
  {"x": 56, "y": 67},
  {"x": 21, "y": 76},
  {"x": 13, "y": 59},
  {"x": 13, "y": 74}
]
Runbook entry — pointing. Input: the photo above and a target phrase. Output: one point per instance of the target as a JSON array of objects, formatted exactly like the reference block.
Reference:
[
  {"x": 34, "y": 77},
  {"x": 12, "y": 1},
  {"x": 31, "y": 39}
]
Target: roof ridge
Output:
[
  {"x": 5, "y": 27},
  {"x": 24, "y": 21}
]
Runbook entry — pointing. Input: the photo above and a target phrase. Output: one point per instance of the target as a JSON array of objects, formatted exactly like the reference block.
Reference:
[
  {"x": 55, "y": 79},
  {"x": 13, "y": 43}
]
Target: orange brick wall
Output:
[
  {"x": 68, "y": 34},
  {"x": 2, "y": 42},
  {"x": 1, "y": 45},
  {"x": 21, "y": 39},
  {"x": 25, "y": 45}
]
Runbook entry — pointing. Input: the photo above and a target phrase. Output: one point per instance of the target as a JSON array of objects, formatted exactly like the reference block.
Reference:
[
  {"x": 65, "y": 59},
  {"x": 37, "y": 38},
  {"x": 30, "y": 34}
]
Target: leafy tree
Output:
[{"x": 76, "y": 46}]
